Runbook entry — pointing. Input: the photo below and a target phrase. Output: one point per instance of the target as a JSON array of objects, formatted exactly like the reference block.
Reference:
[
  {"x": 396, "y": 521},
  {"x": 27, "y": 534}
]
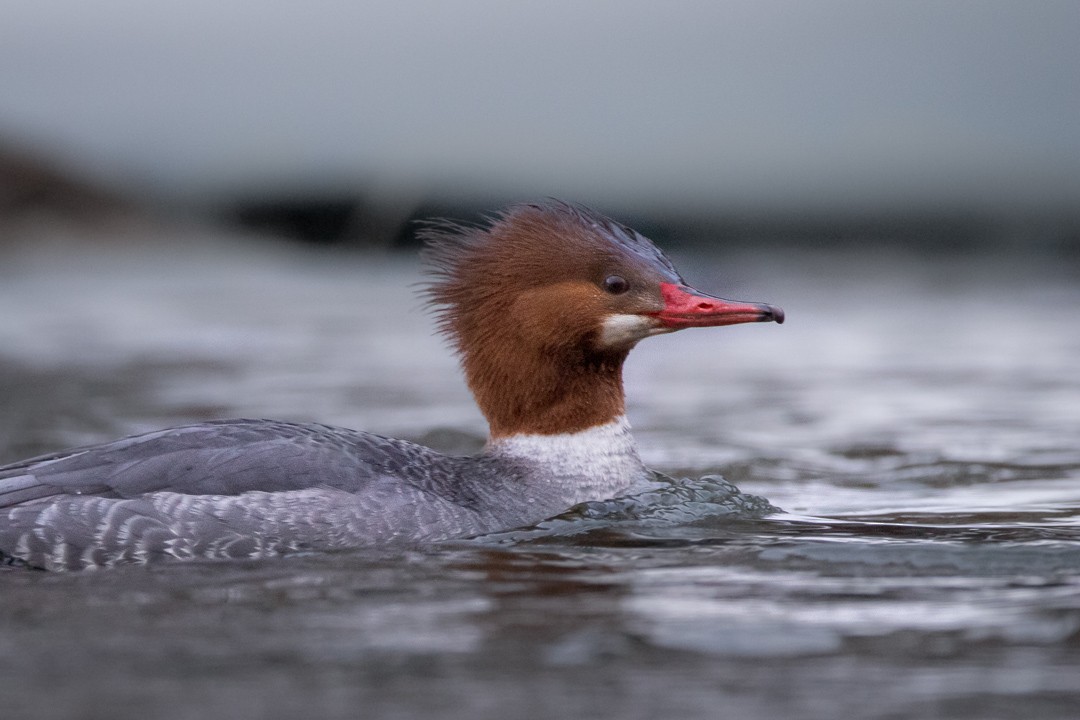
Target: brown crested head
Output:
[{"x": 544, "y": 303}]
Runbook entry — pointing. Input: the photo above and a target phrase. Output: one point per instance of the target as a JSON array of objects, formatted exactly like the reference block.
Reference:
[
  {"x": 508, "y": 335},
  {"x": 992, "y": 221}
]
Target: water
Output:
[{"x": 917, "y": 420}]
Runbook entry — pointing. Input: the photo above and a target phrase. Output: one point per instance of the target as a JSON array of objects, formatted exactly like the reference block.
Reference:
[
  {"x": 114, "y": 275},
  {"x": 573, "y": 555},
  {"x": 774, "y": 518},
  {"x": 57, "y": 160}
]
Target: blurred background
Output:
[{"x": 743, "y": 121}]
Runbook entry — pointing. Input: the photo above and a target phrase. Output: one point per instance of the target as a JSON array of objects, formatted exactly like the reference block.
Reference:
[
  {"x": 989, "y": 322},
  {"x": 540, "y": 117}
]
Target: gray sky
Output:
[{"x": 743, "y": 103}]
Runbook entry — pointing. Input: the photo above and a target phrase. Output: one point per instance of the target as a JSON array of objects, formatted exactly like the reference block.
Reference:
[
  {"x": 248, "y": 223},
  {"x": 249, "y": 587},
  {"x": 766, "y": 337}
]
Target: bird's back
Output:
[{"x": 242, "y": 488}]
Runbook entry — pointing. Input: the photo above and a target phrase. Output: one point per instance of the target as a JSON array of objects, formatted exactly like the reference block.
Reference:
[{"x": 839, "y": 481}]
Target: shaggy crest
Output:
[{"x": 455, "y": 253}]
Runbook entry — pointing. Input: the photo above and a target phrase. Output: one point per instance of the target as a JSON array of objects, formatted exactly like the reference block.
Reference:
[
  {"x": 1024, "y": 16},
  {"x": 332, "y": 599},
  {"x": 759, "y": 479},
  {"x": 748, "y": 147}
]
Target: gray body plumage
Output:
[{"x": 253, "y": 488}]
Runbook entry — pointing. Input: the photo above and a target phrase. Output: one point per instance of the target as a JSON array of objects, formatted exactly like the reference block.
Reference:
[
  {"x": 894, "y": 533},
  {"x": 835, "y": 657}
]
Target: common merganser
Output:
[{"x": 542, "y": 305}]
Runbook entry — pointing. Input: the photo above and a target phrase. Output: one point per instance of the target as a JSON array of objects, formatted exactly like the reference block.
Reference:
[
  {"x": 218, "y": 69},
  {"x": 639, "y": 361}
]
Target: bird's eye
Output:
[{"x": 616, "y": 284}]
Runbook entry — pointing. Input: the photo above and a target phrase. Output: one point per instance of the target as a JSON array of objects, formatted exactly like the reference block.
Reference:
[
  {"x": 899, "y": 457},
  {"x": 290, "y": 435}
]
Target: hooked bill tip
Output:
[{"x": 777, "y": 314}]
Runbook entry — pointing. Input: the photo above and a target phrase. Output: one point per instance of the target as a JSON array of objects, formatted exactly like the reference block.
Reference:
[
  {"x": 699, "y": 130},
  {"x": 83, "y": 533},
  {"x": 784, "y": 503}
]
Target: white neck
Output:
[{"x": 593, "y": 464}]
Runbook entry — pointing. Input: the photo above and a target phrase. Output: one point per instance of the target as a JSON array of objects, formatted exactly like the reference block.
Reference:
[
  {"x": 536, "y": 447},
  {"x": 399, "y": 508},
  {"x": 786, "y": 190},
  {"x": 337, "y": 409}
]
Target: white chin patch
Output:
[{"x": 626, "y": 330}]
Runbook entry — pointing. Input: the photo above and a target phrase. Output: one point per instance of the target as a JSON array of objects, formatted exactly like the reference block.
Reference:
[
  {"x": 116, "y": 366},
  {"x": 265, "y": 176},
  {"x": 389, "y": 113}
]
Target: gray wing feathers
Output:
[
  {"x": 22, "y": 488},
  {"x": 223, "y": 458},
  {"x": 228, "y": 489}
]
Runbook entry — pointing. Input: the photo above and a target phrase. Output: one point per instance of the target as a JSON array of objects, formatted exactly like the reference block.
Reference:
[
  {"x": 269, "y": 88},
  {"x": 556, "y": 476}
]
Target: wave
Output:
[{"x": 665, "y": 502}]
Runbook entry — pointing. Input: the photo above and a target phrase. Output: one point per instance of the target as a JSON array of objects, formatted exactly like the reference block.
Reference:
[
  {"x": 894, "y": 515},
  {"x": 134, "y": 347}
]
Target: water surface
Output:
[{"x": 917, "y": 420}]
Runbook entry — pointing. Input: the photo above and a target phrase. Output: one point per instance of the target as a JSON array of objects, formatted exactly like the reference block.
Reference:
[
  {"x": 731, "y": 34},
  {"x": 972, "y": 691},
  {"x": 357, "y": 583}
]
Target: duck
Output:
[{"x": 542, "y": 302}]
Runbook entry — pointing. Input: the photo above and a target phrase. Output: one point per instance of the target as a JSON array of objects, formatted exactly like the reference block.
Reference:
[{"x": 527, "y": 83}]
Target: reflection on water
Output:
[{"x": 917, "y": 419}]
